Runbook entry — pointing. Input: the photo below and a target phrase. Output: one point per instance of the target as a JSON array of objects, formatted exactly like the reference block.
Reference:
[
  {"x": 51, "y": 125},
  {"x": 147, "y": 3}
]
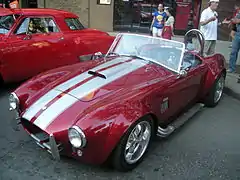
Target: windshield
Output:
[
  {"x": 6, "y": 23},
  {"x": 166, "y": 53}
]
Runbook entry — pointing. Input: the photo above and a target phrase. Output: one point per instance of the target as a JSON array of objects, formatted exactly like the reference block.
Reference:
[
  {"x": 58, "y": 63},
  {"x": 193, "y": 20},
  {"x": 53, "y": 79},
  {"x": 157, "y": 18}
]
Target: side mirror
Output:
[
  {"x": 97, "y": 55},
  {"x": 182, "y": 73}
]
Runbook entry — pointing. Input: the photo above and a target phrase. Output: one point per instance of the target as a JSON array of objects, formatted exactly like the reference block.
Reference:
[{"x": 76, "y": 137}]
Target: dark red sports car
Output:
[
  {"x": 112, "y": 107},
  {"x": 36, "y": 40}
]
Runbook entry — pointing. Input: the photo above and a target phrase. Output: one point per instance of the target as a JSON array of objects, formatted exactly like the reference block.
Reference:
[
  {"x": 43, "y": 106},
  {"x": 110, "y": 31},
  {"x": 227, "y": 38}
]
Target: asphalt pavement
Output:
[{"x": 206, "y": 147}]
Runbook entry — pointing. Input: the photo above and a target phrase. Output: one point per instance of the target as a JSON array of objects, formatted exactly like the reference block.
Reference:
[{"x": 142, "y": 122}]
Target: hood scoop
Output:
[
  {"x": 111, "y": 72},
  {"x": 95, "y": 73}
]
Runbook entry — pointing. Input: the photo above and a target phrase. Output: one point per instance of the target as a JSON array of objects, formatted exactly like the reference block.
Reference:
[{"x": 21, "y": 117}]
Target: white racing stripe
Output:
[
  {"x": 53, "y": 111},
  {"x": 49, "y": 115},
  {"x": 72, "y": 82},
  {"x": 49, "y": 96},
  {"x": 40, "y": 103}
]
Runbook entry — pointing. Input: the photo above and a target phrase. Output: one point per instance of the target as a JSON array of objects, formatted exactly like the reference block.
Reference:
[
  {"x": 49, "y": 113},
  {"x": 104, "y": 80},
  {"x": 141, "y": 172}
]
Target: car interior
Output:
[
  {"x": 37, "y": 25},
  {"x": 190, "y": 60}
]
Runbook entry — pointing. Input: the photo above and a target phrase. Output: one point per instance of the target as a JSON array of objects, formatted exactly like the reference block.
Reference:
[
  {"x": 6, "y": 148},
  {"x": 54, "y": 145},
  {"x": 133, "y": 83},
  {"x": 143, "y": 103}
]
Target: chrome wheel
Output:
[
  {"x": 219, "y": 89},
  {"x": 137, "y": 142}
]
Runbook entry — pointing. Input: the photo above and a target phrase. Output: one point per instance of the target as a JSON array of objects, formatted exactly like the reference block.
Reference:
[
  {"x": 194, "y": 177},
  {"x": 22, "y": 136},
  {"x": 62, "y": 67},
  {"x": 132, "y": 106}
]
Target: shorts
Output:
[
  {"x": 209, "y": 47},
  {"x": 157, "y": 32}
]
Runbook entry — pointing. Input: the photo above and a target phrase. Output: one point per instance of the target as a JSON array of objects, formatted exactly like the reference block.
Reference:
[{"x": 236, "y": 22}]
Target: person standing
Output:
[
  {"x": 208, "y": 26},
  {"x": 168, "y": 29},
  {"x": 158, "y": 21},
  {"x": 234, "y": 28},
  {"x": 235, "y": 44},
  {"x": 230, "y": 25}
]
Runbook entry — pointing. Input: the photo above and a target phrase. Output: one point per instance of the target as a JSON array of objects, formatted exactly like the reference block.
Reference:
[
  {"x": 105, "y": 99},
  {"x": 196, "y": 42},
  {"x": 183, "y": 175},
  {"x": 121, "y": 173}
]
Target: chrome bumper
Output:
[
  {"x": 15, "y": 121},
  {"x": 51, "y": 146}
]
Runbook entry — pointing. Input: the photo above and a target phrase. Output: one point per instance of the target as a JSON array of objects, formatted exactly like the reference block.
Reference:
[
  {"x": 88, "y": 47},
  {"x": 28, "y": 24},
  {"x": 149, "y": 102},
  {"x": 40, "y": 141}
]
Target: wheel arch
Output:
[
  {"x": 216, "y": 67},
  {"x": 146, "y": 115}
]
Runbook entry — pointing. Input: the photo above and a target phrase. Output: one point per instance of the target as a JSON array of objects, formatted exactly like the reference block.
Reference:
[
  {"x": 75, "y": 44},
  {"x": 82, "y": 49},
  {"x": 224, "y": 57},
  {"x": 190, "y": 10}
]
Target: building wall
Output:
[
  {"x": 79, "y": 7},
  {"x": 91, "y": 14},
  {"x": 101, "y": 16}
]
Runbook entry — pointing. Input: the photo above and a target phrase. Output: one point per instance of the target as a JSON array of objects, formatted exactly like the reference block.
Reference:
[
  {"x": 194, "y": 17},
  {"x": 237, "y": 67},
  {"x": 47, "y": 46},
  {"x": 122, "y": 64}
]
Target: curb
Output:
[{"x": 231, "y": 93}]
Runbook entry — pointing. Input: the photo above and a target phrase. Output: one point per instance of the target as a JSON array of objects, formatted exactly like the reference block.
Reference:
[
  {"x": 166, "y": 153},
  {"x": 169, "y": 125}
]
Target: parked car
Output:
[
  {"x": 111, "y": 108},
  {"x": 36, "y": 40}
]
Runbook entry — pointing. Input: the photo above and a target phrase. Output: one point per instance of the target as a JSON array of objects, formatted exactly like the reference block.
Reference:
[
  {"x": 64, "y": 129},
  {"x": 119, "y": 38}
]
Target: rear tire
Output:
[
  {"x": 216, "y": 92},
  {"x": 137, "y": 139}
]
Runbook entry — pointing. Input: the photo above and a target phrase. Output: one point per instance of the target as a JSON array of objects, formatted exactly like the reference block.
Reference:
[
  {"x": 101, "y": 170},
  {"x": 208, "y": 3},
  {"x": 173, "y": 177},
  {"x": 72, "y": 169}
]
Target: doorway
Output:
[{"x": 134, "y": 15}]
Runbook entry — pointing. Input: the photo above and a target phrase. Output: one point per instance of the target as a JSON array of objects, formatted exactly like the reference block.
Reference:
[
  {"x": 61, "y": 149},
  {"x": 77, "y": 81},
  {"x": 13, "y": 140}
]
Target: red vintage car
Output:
[
  {"x": 36, "y": 40},
  {"x": 112, "y": 107}
]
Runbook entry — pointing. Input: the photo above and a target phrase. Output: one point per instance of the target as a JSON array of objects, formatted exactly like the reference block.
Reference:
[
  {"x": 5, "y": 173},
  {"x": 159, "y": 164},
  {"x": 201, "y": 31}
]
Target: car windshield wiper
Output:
[
  {"x": 128, "y": 55},
  {"x": 135, "y": 56}
]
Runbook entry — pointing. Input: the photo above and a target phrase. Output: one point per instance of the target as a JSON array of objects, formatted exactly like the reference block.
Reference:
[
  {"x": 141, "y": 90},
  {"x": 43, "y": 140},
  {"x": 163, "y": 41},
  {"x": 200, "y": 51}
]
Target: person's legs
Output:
[
  {"x": 234, "y": 53},
  {"x": 160, "y": 32},
  {"x": 206, "y": 47},
  {"x": 154, "y": 32},
  {"x": 212, "y": 48}
]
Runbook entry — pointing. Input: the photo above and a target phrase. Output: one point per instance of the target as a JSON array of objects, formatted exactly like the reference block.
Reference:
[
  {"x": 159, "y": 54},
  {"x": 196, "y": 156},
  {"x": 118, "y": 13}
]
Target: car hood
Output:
[
  {"x": 59, "y": 108},
  {"x": 121, "y": 72}
]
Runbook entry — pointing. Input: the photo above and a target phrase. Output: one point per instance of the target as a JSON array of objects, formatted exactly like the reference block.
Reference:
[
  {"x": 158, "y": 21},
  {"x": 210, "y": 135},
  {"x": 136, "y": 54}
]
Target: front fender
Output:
[
  {"x": 217, "y": 66},
  {"x": 131, "y": 113},
  {"x": 104, "y": 134}
]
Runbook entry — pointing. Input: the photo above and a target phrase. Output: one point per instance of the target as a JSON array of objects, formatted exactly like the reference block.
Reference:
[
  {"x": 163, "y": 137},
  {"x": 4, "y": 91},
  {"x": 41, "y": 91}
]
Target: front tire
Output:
[
  {"x": 216, "y": 92},
  {"x": 134, "y": 145}
]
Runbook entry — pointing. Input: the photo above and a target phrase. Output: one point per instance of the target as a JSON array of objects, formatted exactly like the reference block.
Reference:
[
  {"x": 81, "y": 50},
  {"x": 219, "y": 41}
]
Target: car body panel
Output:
[
  {"x": 23, "y": 56},
  {"x": 124, "y": 90},
  {"x": 216, "y": 64}
]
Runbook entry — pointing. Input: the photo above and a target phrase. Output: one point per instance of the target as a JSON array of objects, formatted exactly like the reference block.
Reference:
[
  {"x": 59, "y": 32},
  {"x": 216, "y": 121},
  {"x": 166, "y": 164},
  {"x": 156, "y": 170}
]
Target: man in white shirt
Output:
[{"x": 208, "y": 26}]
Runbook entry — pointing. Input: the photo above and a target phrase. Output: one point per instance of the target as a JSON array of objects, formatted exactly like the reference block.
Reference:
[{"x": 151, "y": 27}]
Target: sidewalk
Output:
[{"x": 232, "y": 87}]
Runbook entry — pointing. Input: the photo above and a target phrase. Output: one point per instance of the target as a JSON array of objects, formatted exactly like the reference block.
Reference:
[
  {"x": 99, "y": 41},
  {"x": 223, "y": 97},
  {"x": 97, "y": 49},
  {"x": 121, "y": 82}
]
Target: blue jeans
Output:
[{"x": 234, "y": 53}]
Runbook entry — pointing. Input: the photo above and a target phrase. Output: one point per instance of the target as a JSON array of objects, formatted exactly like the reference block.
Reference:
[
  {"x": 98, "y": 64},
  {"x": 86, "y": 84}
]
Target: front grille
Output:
[
  {"x": 43, "y": 139},
  {"x": 33, "y": 129}
]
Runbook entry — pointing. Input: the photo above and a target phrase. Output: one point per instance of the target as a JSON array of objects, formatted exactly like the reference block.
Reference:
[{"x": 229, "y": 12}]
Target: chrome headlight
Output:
[
  {"x": 13, "y": 102},
  {"x": 77, "y": 137}
]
